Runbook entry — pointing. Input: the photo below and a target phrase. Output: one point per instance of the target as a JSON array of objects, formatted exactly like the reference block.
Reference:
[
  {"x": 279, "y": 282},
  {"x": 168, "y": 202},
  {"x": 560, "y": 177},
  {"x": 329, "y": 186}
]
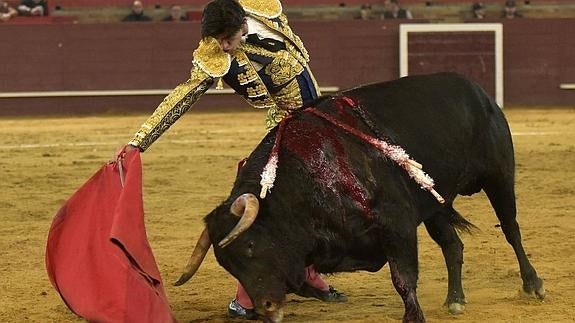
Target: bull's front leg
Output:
[{"x": 403, "y": 265}]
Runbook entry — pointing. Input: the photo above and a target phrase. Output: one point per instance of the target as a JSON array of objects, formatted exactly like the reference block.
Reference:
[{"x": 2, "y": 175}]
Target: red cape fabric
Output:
[{"x": 97, "y": 255}]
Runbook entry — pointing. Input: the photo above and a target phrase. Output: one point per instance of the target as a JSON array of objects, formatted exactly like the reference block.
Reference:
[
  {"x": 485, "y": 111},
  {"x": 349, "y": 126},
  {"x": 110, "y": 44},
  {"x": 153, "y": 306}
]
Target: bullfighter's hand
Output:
[{"x": 122, "y": 151}]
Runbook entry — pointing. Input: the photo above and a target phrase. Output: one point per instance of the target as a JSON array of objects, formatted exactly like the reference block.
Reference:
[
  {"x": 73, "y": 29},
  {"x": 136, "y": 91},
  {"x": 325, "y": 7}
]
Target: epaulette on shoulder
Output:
[
  {"x": 265, "y": 8},
  {"x": 211, "y": 58}
]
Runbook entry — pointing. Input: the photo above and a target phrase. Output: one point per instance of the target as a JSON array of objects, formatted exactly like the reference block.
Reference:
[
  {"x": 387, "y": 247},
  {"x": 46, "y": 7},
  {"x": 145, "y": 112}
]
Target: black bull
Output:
[{"x": 341, "y": 205}]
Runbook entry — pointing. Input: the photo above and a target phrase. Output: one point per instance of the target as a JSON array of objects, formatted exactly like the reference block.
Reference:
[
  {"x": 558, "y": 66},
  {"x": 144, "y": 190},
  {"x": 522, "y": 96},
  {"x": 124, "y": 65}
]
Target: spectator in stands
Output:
[
  {"x": 137, "y": 13},
  {"x": 478, "y": 10},
  {"x": 176, "y": 14},
  {"x": 253, "y": 49},
  {"x": 33, "y": 8},
  {"x": 394, "y": 11},
  {"x": 6, "y": 11},
  {"x": 510, "y": 10},
  {"x": 365, "y": 12}
]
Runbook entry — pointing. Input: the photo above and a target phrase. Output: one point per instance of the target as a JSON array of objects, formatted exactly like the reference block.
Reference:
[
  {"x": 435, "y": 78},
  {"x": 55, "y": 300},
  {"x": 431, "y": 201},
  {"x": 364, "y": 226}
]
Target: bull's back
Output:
[{"x": 445, "y": 122}]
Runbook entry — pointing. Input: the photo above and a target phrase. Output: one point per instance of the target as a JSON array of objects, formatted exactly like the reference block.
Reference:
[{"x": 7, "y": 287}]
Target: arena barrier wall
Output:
[{"x": 147, "y": 56}]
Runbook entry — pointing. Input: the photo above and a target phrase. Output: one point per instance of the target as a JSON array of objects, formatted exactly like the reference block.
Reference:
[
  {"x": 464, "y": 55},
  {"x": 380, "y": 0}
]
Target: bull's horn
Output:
[
  {"x": 245, "y": 206},
  {"x": 200, "y": 251}
]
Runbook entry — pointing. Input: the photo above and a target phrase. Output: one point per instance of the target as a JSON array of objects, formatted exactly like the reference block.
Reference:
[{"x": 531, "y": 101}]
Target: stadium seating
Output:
[
  {"x": 95, "y": 11},
  {"x": 117, "y": 3}
]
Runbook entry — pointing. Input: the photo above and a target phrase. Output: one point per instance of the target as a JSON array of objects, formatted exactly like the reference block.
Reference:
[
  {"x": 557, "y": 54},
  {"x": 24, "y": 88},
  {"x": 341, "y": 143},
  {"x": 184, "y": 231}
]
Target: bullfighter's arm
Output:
[
  {"x": 210, "y": 62},
  {"x": 172, "y": 108}
]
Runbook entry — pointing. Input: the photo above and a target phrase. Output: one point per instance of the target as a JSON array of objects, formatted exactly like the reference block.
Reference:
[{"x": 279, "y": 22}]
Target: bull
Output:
[{"x": 342, "y": 205}]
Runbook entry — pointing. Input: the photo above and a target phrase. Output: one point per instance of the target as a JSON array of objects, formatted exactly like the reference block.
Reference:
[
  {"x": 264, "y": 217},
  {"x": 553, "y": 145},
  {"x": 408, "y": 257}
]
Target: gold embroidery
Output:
[
  {"x": 300, "y": 55},
  {"x": 289, "y": 97},
  {"x": 211, "y": 58},
  {"x": 257, "y": 91},
  {"x": 284, "y": 29},
  {"x": 220, "y": 84},
  {"x": 263, "y": 103},
  {"x": 258, "y": 95},
  {"x": 249, "y": 76},
  {"x": 253, "y": 49},
  {"x": 265, "y": 8},
  {"x": 283, "y": 68},
  {"x": 297, "y": 54},
  {"x": 242, "y": 60},
  {"x": 286, "y": 63},
  {"x": 172, "y": 108},
  {"x": 274, "y": 116}
]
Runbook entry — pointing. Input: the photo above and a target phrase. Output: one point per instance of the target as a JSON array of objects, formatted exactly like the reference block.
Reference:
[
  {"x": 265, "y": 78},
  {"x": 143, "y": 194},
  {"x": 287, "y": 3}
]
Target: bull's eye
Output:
[{"x": 250, "y": 249}]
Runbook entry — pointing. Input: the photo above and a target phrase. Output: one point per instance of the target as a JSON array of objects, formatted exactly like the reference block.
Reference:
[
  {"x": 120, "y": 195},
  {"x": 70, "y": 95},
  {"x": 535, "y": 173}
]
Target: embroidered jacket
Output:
[{"x": 262, "y": 71}]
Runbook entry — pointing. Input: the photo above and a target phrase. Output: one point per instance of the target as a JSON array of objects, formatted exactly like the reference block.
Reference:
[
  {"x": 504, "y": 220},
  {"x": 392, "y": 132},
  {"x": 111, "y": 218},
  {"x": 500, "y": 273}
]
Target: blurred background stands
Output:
[{"x": 106, "y": 11}]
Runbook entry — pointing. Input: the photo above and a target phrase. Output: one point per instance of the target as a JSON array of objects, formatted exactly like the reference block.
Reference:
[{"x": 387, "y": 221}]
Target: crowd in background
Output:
[
  {"x": 393, "y": 10},
  {"x": 24, "y": 8},
  {"x": 137, "y": 13},
  {"x": 376, "y": 10},
  {"x": 40, "y": 8},
  {"x": 478, "y": 10}
]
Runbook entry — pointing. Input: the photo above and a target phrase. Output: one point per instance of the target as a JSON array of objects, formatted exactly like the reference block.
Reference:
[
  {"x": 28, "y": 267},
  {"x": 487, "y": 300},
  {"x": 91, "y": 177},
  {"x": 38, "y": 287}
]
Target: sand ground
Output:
[{"x": 191, "y": 169}]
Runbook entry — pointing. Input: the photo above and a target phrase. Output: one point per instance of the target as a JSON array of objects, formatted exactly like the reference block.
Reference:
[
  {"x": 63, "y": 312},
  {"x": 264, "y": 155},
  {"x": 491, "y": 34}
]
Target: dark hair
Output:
[{"x": 222, "y": 18}]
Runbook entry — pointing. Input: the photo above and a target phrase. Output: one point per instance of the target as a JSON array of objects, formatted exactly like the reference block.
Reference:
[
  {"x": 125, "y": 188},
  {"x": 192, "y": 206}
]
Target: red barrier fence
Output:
[{"x": 90, "y": 57}]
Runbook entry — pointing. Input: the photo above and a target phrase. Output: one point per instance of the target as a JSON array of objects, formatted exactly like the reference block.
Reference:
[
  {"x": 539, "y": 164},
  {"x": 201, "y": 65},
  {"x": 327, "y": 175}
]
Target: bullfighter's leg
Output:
[
  {"x": 443, "y": 233},
  {"x": 314, "y": 286},
  {"x": 501, "y": 194},
  {"x": 241, "y": 306},
  {"x": 402, "y": 258}
]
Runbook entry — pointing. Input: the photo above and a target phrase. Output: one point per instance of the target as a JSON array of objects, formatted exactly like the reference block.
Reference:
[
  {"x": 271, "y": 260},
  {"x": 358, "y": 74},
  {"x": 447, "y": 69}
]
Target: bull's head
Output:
[
  {"x": 245, "y": 207},
  {"x": 254, "y": 257}
]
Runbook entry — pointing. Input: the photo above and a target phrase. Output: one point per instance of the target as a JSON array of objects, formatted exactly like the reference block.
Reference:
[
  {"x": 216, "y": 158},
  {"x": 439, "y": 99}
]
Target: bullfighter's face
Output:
[{"x": 232, "y": 42}]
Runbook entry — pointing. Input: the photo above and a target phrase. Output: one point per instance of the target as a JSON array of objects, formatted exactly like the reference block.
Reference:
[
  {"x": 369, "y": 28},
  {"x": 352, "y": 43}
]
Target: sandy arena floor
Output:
[{"x": 191, "y": 169}]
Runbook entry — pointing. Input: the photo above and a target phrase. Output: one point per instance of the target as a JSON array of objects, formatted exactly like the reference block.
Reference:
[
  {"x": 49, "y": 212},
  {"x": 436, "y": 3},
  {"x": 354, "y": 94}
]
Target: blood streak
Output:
[{"x": 321, "y": 150}]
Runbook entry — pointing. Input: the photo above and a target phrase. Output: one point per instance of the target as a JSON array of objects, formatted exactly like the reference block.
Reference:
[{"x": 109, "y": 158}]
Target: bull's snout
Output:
[
  {"x": 273, "y": 312},
  {"x": 270, "y": 306}
]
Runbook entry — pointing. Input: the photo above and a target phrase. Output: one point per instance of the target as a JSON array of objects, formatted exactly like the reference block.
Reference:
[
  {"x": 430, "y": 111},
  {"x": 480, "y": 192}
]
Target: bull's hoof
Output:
[
  {"x": 537, "y": 290},
  {"x": 456, "y": 308},
  {"x": 539, "y": 293}
]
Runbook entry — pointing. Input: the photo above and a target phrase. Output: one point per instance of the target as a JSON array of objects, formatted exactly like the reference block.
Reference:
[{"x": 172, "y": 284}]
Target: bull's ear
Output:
[{"x": 246, "y": 207}]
